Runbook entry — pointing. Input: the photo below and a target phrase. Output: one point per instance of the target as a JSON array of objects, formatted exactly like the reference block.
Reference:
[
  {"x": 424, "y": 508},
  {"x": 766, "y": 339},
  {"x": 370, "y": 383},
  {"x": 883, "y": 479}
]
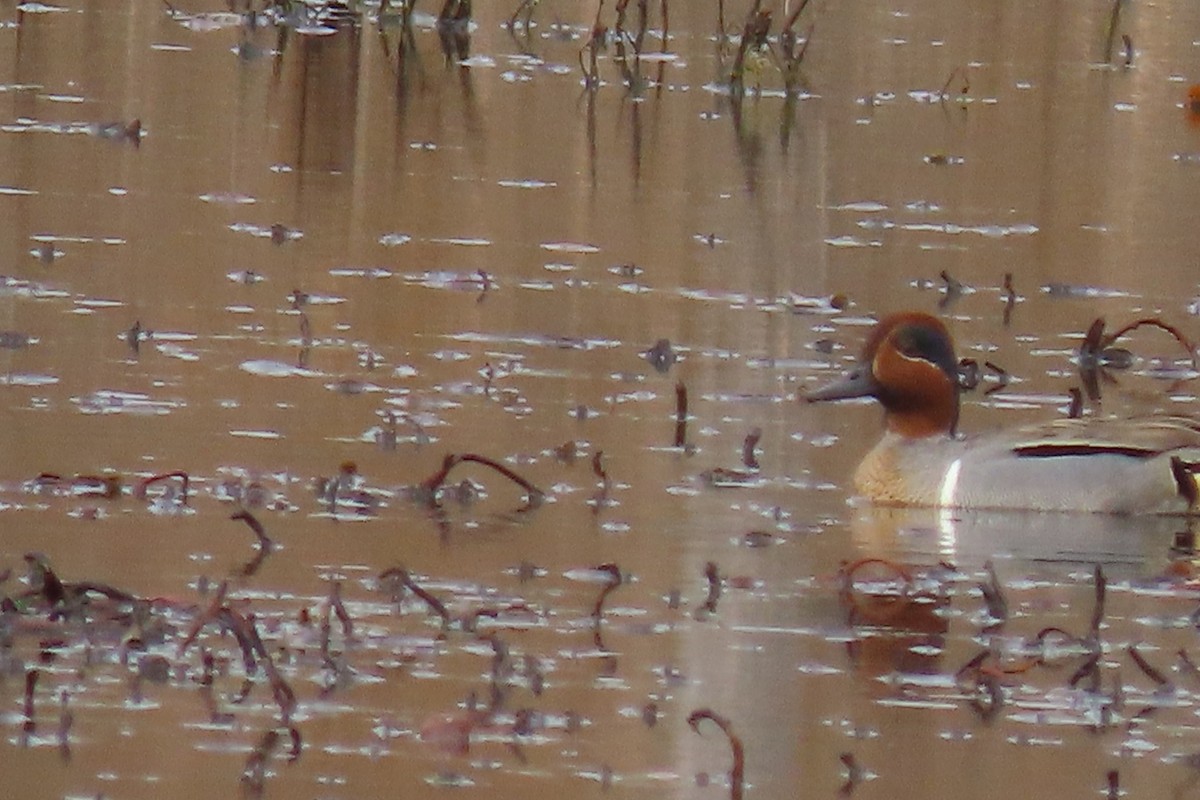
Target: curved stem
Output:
[{"x": 737, "y": 772}]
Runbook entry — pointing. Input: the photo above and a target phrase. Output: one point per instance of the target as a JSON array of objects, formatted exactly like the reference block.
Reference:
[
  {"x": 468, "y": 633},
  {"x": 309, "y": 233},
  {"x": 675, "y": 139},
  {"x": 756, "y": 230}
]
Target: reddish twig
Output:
[
  {"x": 598, "y": 467},
  {"x": 1108, "y": 340},
  {"x": 614, "y": 580},
  {"x": 971, "y": 668},
  {"x": 44, "y": 580},
  {"x": 145, "y": 483},
  {"x": 401, "y": 574},
  {"x": 1101, "y": 584},
  {"x": 430, "y": 486},
  {"x": 738, "y": 770},
  {"x": 31, "y": 678},
  {"x": 995, "y": 698},
  {"x": 264, "y": 541},
  {"x": 470, "y": 623},
  {"x": 285, "y": 698},
  {"x": 1148, "y": 669},
  {"x": 1089, "y": 669},
  {"x": 749, "y": 459},
  {"x": 601, "y": 497},
  {"x": 681, "y": 414}
]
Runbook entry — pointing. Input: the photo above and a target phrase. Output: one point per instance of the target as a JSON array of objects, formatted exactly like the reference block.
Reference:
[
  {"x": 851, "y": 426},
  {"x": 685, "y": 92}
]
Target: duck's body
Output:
[{"x": 1115, "y": 466}]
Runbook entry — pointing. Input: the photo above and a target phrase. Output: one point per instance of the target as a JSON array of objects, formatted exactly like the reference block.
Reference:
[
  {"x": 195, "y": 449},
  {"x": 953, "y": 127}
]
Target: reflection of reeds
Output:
[
  {"x": 754, "y": 37},
  {"x": 755, "y": 48},
  {"x": 983, "y": 676},
  {"x": 525, "y": 9},
  {"x": 453, "y": 27},
  {"x": 628, "y": 41},
  {"x": 596, "y": 41},
  {"x": 792, "y": 48},
  {"x": 1110, "y": 31}
]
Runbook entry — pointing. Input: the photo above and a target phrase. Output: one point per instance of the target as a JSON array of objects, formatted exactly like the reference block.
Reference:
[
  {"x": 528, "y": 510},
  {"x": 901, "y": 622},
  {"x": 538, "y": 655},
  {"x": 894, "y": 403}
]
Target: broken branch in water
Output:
[
  {"x": 681, "y": 414},
  {"x": 334, "y": 606},
  {"x": 614, "y": 580},
  {"x": 470, "y": 622},
  {"x": 431, "y": 486},
  {"x": 1097, "y": 354},
  {"x": 401, "y": 576},
  {"x": 713, "y": 576},
  {"x": 62, "y": 596},
  {"x": 993, "y": 594},
  {"x": 1010, "y": 298},
  {"x": 1089, "y": 669},
  {"x": 339, "y": 609},
  {"x": 29, "y": 726},
  {"x": 264, "y": 542},
  {"x": 738, "y": 770},
  {"x": 1101, "y": 584},
  {"x": 254, "y": 652},
  {"x": 601, "y": 497},
  {"x": 255, "y": 772},
  {"x": 884, "y": 606},
  {"x": 1148, "y": 669},
  {"x": 995, "y": 698},
  {"x": 749, "y": 459},
  {"x": 1154, "y": 322},
  {"x": 44, "y": 581},
  {"x": 1002, "y": 377},
  {"x": 1075, "y": 408},
  {"x": 854, "y": 773},
  {"x": 1189, "y": 666},
  {"x": 204, "y": 617},
  {"x": 146, "y": 483},
  {"x": 65, "y": 720}
]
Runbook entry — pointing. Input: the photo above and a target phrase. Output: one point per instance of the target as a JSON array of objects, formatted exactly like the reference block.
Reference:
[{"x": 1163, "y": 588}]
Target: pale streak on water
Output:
[{"x": 334, "y": 258}]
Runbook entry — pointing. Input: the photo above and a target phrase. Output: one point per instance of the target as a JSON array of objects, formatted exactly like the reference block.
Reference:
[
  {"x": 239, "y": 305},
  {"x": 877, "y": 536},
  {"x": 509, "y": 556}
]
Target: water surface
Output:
[{"x": 326, "y": 246}]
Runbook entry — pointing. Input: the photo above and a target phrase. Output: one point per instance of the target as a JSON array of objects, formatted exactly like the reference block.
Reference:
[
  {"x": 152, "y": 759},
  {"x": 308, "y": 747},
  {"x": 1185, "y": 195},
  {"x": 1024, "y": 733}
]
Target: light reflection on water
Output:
[{"x": 315, "y": 254}]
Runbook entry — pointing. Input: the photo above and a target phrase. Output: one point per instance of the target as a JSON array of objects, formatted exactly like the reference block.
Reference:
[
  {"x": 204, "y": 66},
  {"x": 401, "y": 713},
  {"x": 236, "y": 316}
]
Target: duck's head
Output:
[{"x": 908, "y": 365}]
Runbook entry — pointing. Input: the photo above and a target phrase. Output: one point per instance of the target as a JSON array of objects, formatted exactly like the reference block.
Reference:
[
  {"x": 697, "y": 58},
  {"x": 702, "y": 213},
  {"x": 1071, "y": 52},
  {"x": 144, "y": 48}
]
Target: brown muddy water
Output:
[{"x": 331, "y": 256}]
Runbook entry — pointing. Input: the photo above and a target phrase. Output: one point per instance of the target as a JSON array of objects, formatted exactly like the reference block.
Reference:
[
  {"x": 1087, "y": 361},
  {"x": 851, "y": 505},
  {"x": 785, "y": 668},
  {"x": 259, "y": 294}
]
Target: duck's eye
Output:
[{"x": 918, "y": 343}]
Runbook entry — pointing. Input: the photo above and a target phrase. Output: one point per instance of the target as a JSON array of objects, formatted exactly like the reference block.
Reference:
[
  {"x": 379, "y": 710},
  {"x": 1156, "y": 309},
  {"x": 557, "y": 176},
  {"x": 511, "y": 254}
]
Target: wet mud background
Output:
[{"x": 273, "y": 274}]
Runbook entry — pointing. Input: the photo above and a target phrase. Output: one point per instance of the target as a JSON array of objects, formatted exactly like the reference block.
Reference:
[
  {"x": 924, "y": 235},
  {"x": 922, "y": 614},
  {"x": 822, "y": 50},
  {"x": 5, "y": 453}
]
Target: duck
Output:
[{"x": 1116, "y": 465}]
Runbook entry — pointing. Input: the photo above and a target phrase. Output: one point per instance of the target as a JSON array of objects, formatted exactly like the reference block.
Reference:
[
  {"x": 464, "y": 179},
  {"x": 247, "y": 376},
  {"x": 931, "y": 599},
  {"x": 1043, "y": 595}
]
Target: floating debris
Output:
[{"x": 662, "y": 356}]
